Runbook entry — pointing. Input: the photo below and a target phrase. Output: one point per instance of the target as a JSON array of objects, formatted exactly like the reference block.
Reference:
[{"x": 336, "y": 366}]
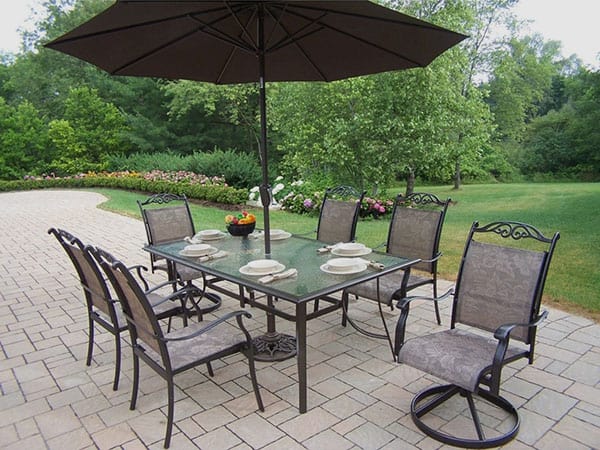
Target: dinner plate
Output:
[
  {"x": 196, "y": 250},
  {"x": 209, "y": 235},
  {"x": 347, "y": 250},
  {"x": 280, "y": 236},
  {"x": 247, "y": 270},
  {"x": 359, "y": 267}
]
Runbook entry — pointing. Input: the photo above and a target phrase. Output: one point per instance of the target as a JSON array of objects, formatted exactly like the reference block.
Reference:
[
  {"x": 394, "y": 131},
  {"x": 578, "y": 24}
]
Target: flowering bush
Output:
[
  {"x": 183, "y": 176},
  {"x": 371, "y": 207}
]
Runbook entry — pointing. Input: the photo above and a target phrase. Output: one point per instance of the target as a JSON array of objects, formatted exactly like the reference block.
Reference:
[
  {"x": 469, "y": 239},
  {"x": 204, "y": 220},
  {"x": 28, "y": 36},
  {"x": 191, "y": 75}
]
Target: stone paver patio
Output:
[{"x": 358, "y": 398}]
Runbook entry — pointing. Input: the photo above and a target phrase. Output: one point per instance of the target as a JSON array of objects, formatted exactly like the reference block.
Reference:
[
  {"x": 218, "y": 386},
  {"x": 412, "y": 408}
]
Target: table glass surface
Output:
[{"x": 294, "y": 252}]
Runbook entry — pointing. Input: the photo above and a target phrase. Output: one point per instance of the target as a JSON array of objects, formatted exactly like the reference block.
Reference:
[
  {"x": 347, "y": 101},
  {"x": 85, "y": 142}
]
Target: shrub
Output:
[
  {"x": 213, "y": 190},
  {"x": 239, "y": 169}
]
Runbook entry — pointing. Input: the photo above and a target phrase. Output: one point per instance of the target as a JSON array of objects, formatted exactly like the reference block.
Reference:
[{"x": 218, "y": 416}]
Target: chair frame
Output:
[
  {"x": 170, "y": 267},
  {"x": 166, "y": 371},
  {"x": 488, "y": 383},
  {"x": 420, "y": 199},
  {"x": 98, "y": 296}
]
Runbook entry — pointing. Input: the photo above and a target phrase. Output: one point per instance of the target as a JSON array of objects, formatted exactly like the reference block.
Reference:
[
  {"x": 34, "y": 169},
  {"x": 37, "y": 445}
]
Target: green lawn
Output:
[{"x": 571, "y": 208}]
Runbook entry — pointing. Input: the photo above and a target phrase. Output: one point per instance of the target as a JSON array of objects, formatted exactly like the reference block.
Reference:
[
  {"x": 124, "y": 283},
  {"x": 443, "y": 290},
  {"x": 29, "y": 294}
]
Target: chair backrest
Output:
[
  {"x": 92, "y": 281},
  {"x": 502, "y": 284},
  {"x": 339, "y": 215},
  {"x": 416, "y": 228},
  {"x": 141, "y": 320},
  {"x": 166, "y": 223}
]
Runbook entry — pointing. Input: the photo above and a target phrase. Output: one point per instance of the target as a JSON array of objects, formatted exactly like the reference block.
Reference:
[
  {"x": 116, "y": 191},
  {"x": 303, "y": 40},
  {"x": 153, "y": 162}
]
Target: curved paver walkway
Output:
[{"x": 358, "y": 398}]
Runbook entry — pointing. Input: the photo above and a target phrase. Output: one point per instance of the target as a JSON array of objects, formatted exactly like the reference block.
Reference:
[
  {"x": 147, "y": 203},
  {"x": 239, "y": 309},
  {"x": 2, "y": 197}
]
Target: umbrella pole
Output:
[{"x": 265, "y": 192}]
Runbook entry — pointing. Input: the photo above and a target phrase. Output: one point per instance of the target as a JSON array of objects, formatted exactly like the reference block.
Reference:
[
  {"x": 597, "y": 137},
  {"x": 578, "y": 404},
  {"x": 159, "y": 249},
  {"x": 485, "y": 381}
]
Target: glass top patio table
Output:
[
  {"x": 311, "y": 283},
  {"x": 294, "y": 252}
]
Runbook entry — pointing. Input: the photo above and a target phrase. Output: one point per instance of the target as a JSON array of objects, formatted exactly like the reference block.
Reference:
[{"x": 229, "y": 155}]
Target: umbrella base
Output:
[{"x": 274, "y": 347}]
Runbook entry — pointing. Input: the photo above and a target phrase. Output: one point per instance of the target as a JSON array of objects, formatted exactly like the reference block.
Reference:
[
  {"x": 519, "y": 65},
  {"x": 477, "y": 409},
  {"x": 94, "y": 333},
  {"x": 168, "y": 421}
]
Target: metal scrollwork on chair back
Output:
[
  {"x": 515, "y": 230},
  {"x": 343, "y": 192},
  {"x": 420, "y": 198},
  {"x": 160, "y": 199}
]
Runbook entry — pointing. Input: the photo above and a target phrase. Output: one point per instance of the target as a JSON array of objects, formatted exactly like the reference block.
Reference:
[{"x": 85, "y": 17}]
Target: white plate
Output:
[
  {"x": 208, "y": 235},
  {"x": 246, "y": 270},
  {"x": 357, "y": 268},
  {"x": 198, "y": 250},
  {"x": 280, "y": 236},
  {"x": 350, "y": 250}
]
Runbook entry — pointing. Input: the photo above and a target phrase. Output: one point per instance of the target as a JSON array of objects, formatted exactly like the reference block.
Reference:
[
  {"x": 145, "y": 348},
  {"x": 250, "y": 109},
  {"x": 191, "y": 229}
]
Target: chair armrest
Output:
[
  {"x": 149, "y": 290},
  {"x": 434, "y": 259},
  {"x": 176, "y": 294},
  {"x": 502, "y": 333},
  {"x": 237, "y": 314},
  {"x": 138, "y": 269},
  {"x": 404, "y": 306}
]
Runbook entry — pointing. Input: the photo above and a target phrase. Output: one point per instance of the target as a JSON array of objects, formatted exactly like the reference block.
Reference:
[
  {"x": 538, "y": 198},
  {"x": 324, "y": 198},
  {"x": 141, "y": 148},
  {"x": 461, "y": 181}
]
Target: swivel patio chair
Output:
[
  {"x": 175, "y": 352},
  {"x": 167, "y": 218},
  {"x": 414, "y": 232},
  {"x": 339, "y": 215},
  {"x": 497, "y": 306},
  {"x": 102, "y": 307}
]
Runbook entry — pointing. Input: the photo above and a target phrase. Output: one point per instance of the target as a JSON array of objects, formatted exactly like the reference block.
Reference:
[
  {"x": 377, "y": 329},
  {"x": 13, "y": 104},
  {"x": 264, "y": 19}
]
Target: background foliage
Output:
[{"x": 489, "y": 109}]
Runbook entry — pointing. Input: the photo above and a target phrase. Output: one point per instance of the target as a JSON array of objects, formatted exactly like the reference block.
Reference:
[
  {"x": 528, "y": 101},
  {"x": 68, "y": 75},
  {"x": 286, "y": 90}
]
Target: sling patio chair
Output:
[
  {"x": 495, "y": 315},
  {"x": 414, "y": 232},
  {"x": 102, "y": 306},
  {"x": 167, "y": 218},
  {"x": 175, "y": 352}
]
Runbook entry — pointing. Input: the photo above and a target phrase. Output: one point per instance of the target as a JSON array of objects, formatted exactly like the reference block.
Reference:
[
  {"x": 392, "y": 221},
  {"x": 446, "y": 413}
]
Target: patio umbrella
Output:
[{"x": 242, "y": 41}]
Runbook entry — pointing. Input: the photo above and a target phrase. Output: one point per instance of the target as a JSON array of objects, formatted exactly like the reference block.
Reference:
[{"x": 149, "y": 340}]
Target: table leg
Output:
[
  {"x": 273, "y": 346},
  {"x": 301, "y": 345}
]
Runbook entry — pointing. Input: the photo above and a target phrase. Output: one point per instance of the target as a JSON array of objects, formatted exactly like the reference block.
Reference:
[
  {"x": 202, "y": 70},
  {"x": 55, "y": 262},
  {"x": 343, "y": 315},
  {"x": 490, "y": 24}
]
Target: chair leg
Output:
[
  {"x": 136, "y": 381},
  {"x": 344, "y": 308},
  {"x": 117, "y": 360},
  {"x": 170, "y": 411},
  {"x": 435, "y": 304},
  {"x": 210, "y": 369},
  {"x": 90, "y": 351},
  {"x": 429, "y": 399},
  {"x": 252, "y": 368}
]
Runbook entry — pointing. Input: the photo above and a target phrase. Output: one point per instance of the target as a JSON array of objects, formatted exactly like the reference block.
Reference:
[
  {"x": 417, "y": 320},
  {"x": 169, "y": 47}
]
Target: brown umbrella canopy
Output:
[{"x": 240, "y": 41}]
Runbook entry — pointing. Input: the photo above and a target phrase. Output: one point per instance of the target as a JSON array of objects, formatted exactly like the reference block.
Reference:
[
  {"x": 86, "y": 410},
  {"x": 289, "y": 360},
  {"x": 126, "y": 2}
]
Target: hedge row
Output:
[{"x": 212, "y": 193}]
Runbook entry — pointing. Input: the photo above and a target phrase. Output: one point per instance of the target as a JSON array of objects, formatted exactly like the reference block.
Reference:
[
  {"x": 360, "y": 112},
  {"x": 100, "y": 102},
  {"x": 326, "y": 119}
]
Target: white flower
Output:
[
  {"x": 279, "y": 178},
  {"x": 252, "y": 196},
  {"x": 278, "y": 187},
  {"x": 297, "y": 183},
  {"x": 255, "y": 189}
]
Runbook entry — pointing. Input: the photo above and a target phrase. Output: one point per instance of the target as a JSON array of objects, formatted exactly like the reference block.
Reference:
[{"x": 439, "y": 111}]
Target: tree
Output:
[
  {"x": 23, "y": 140},
  {"x": 89, "y": 131}
]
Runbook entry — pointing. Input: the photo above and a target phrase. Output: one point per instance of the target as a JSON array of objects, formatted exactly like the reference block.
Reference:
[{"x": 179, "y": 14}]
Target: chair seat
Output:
[
  {"x": 189, "y": 351},
  {"x": 389, "y": 285},
  {"x": 187, "y": 273},
  {"x": 456, "y": 356}
]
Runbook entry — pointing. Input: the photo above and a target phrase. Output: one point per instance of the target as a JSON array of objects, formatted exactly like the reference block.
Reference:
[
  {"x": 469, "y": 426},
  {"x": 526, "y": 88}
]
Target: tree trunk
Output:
[
  {"x": 410, "y": 182},
  {"x": 457, "y": 180}
]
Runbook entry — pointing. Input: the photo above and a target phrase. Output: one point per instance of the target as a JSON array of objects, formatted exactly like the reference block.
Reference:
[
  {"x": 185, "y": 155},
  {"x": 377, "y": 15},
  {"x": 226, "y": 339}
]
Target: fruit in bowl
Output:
[{"x": 240, "y": 225}]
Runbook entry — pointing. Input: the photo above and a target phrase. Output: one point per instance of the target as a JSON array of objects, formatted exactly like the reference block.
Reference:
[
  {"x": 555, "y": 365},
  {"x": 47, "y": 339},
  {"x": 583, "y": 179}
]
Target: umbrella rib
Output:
[
  {"x": 293, "y": 39},
  {"x": 350, "y": 35}
]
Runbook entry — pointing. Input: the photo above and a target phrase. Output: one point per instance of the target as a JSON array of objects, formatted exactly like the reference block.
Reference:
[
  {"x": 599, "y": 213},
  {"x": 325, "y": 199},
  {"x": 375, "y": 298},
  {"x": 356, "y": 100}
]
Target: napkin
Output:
[
  {"x": 219, "y": 254},
  {"x": 278, "y": 276},
  {"x": 328, "y": 248},
  {"x": 373, "y": 264},
  {"x": 193, "y": 240}
]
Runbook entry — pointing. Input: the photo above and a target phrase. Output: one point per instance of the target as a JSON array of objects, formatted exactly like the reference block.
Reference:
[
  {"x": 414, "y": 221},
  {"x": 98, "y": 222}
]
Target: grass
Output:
[{"x": 571, "y": 208}]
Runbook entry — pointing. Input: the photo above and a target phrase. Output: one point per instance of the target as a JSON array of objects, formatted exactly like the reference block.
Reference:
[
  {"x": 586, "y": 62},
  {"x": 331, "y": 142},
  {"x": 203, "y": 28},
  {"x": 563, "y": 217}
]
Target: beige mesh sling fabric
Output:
[{"x": 339, "y": 215}]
